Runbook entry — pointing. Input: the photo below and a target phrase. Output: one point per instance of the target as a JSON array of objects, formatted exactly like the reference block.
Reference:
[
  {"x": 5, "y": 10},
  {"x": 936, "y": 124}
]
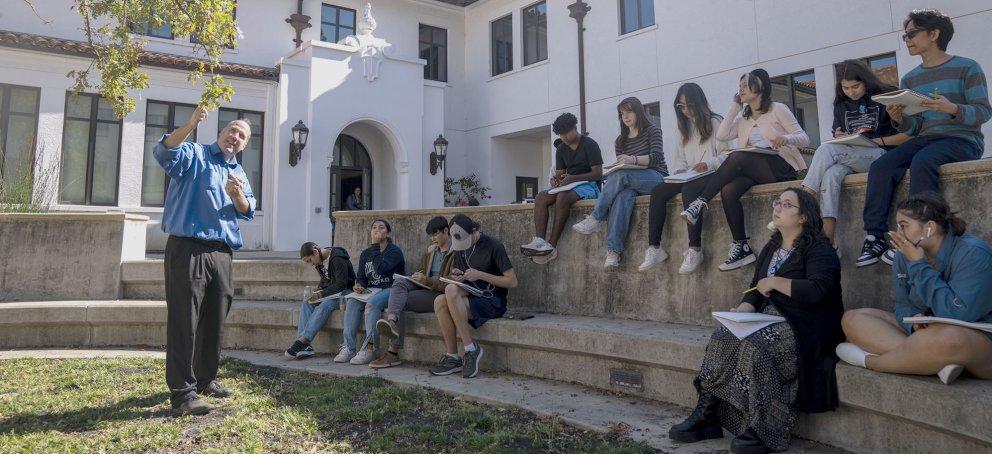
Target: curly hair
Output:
[{"x": 812, "y": 228}]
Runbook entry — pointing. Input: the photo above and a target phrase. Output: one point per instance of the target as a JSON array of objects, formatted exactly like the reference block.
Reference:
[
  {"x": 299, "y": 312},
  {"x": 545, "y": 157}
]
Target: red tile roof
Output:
[{"x": 158, "y": 59}]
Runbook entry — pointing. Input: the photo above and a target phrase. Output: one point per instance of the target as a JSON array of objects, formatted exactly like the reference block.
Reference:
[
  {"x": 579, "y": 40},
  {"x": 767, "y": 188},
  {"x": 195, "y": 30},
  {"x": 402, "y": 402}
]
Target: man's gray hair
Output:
[{"x": 246, "y": 123}]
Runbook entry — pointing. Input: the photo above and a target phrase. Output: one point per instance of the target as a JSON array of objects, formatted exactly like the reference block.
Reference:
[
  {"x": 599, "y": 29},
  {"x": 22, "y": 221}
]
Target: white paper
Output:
[
  {"x": 364, "y": 297},
  {"x": 618, "y": 166},
  {"x": 759, "y": 150},
  {"x": 565, "y": 187},
  {"x": 744, "y": 324},
  {"x": 856, "y": 140},
  {"x": 987, "y": 327},
  {"x": 909, "y": 98},
  {"x": 464, "y": 286},
  {"x": 406, "y": 278},
  {"x": 687, "y": 176},
  {"x": 339, "y": 295}
]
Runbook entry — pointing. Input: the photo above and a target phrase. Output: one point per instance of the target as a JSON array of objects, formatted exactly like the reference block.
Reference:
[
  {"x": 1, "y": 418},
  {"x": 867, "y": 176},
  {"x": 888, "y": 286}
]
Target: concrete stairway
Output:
[{"x": 879, "y": 413}]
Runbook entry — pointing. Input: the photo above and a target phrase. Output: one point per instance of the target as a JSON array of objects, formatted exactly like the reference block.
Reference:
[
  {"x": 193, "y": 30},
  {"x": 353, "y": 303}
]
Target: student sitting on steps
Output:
[
  {"x": 407, "y": 295},
  {"x": 577, "y": 159},
  {"x": 940, "y": 270},
  {"x": 337, "y": 276},
  {"x": 950, "y": 130},
  {"x": 698, "y": 150}
]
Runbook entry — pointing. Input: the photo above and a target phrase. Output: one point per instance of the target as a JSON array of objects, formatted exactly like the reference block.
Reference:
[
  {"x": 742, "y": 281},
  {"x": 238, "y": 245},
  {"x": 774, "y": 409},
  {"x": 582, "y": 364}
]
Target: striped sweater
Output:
[
  {"x": 962, "y": 82},
  {"x": 647, "y": 143}
]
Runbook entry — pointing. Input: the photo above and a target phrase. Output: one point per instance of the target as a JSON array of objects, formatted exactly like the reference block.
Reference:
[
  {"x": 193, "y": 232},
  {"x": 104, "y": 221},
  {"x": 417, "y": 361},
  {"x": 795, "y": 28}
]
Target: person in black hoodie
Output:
[
  {"x": 376, "y": 267},
  {"x": 337, "y": 276},
  {"x": 854, "y": 114},
  {"x": 755, "y": 387}
]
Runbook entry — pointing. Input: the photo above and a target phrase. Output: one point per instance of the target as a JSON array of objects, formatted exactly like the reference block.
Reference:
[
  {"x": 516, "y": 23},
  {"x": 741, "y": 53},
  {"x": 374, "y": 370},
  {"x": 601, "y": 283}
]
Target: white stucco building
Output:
[{"x": 488, "y": 75}]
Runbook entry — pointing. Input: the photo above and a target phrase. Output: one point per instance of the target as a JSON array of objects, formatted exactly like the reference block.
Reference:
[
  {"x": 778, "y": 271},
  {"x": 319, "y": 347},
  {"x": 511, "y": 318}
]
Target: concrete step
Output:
[
  {"x": 879, "y": 412},
  {"x": 254, "y": 279}
]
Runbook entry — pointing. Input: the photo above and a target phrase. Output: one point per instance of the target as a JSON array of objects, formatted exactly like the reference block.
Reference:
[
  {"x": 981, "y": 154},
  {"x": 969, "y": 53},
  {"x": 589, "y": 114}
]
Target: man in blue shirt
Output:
[{"x": 208, "y": 193}]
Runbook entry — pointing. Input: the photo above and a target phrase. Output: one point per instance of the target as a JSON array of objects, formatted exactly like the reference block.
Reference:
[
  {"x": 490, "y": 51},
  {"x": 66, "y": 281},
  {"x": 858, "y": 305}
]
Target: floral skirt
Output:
[{"x": 756, "y": 380}]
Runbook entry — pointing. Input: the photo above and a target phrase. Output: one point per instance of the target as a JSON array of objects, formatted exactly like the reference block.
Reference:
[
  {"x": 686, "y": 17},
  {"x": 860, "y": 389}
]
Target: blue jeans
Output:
[
  {"x": 312, "y": 319},
  {"x": 923, "y": 156},
  {"x": 617, "y": 201},
  {"x": 353, "y": 318}
]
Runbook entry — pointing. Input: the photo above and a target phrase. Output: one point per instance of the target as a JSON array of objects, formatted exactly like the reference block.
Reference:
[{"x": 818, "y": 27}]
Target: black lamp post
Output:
[
  {"x": 578, "y": 11},
  {"x": 437, "y": 156},
  {"x": 300, "y": 135}
]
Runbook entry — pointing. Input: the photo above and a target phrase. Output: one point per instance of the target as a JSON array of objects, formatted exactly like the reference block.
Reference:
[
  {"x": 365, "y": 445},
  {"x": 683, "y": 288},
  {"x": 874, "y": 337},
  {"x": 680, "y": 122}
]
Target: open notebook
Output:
[
  {"x": 617, "y": 166},
  {"x": 909, "y": 98},
  {"x": 987, "y": 327},
  {"x": 856, "y": 140},
  {"x": 405, "y": 278},
  {"x": 744, "y": 324},
  {"x": 464, "y": 286},
  {"x": 337, "y": 296},
  {"x": 687, "y": 176},
  {"x": 565, "y": 187},
  {"x": 759, "y": 150},
  {"x": 364, "y": 297}
]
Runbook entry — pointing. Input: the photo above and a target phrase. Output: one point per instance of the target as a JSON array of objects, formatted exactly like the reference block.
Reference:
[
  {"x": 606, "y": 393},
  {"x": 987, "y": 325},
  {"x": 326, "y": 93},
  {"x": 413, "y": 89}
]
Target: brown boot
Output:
[{"x": 388, "y": 359}]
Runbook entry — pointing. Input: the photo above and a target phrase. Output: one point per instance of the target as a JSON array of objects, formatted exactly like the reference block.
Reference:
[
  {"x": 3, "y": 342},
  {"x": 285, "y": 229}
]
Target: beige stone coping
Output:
[{"x": 71, "y": 216}]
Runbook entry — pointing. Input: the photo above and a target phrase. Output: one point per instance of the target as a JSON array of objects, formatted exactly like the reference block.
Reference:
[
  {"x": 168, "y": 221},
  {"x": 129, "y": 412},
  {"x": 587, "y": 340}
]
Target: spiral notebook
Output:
[{"x": 906, "y": 97}]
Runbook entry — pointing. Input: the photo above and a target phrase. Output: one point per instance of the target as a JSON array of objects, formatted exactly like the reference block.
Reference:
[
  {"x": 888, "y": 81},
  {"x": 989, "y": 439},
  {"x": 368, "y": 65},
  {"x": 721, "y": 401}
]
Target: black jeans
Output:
[
  {"x": 736, "y": 175},
  {"x": 660, "y": 196},
  {"x": 198, "y": 295},
  {"x": 923, "y": 156}
]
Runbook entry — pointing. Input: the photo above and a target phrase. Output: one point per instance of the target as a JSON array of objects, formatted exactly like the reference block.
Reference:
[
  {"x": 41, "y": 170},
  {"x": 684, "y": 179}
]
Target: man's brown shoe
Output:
[{"x": 388, "y": 359}]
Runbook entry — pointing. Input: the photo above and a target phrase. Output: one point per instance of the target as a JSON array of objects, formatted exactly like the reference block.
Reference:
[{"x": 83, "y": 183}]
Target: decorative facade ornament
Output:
[{"x": 372, "y": 50}]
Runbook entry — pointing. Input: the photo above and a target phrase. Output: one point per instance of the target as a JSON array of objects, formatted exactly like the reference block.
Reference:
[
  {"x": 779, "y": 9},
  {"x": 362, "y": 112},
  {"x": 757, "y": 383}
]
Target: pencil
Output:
[{"x": 750, "y": 289}]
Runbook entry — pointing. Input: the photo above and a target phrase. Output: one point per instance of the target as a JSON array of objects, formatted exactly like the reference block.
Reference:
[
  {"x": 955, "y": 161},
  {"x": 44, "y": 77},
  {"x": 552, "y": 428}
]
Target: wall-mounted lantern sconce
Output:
[
  {"x": 299, "y": 142},
  {"x": 437, "y": 156}
]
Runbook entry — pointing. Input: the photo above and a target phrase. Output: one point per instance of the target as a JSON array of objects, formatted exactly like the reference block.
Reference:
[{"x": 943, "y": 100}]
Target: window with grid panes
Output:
[
  {"x": 535, "y": 27},
  {"x": 18, "y": 129},
  {"x": 161, "y": 118},
  {"x": 336, "y": 23},
  {"x": 434, "y": 49},
  {"x": 501, "y": 36},
  {"x": 91, "y": 151},
  {"x": 798, "y": 92}
]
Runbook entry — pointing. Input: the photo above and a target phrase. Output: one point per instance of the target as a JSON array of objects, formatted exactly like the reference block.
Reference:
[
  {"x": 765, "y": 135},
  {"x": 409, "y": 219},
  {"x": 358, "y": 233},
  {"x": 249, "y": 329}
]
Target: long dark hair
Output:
[
  {"x": 931, "y": 206},
  {"x": 812, "y": 228},
  {"x": 758, "y": 81},
  {"x": 634, "y": 105},
  {"x": 857, "y": 70},
  {"x": 702, "y": 116}
]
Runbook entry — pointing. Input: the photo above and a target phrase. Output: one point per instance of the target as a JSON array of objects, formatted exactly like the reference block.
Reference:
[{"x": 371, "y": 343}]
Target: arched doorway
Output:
[{"x": 351, "y": 167}]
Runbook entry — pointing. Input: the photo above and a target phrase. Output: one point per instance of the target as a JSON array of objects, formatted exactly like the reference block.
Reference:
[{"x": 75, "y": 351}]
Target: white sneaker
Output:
[
  {"x": 652, "y": 256},
  {"x": 344, "y": 355},
  {"x": 545, "y": 259},
  {"x": 612, "y": 260},
  {"x": 852, "y": 354},
  {"x": 691, "y": 261},
  {"x": 771, "y": 227},
  {"x": 537, "y": 247},
  {"x": 587, "y": 226},
  {"x": 950, "y": 373},
  {"x": 363, "y": 357}
]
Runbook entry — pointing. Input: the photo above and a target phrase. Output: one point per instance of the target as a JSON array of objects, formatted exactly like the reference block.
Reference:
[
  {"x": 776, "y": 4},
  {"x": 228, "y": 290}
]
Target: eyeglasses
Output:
[
  {"x": 785, "y": 204},
  {"x": 910, "y": 34}
]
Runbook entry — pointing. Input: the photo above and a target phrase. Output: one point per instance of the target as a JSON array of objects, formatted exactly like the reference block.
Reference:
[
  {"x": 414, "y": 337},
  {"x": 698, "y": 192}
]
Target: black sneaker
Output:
[
  {"x": 214, "y": 389},
  {"x": 472, "y": 359},
  {"x": 740, "y": 255},
  {"x": 299, "y": 350},
  {"x": 194, "y": 406},
  {"x": 889, "y": 257},
  {"x": 695, "y": 209},
  {"x": 872, "y": 251},
  {"x": 447, "y": 366}
]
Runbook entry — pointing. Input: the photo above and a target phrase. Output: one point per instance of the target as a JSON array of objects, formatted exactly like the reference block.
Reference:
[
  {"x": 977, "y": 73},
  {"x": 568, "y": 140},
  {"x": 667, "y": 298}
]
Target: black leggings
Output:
[
  {"x": 736, "y": 175},
  {"x": 660, "y": 196}
]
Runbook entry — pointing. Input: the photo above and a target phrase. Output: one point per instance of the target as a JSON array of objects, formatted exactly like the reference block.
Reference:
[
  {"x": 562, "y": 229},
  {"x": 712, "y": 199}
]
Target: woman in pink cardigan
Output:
[{"x": 762, "y": 124}]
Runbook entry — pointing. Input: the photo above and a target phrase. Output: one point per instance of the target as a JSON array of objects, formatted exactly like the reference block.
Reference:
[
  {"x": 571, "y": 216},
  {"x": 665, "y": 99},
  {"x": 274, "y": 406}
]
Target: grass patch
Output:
[{"x": 121, "y": 405}]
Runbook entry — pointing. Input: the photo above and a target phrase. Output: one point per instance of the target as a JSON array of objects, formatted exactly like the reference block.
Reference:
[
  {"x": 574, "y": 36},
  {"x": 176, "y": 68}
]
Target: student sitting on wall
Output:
[
  {"x": 376, "y": 267},
  {"x": 940, "y": 270},
  {"x": 950, "y": 130},
  {"x": 855, "y": 113},
  {"x": 755, "y": 386},
  {"x": 337, "y": 276},
  {"x": 480, "y": 262},
  {"x": 762, "y": 124},
  {"x": 639, "y": 144},
  {"x": 577, "y": 159},
  {"x": 407, "y": 295},
  {"x": 698, "y": 150}
]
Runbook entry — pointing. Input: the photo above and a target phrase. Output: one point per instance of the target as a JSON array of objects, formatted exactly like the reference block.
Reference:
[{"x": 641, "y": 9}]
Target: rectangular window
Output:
[
  {"x": 160, "y": 118},
  {"x": 653, "y": 110},
  {"x": 18, "y": 129},
  {"x": 434, "y": 49},
  {"x": 635, "y": 15},
  {"x": 146, "y": 28},
  {"x": 336, "y": 23},
  {"x": 884, "y": 66},
  {"x": 501, "y": 35},
  {"x": 251, "y": 157},
  {"x": 798, "y": 92},
  {"x": 91, "y": 151},
  {"x": 535, "y": 21}
]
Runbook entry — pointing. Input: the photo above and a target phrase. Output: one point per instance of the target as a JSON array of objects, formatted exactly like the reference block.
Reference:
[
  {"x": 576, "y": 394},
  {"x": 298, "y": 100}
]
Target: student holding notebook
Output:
[
  {"x": 762, "y": 123},
  {"x": 337, "y": 276},
  {"x": 754, "y": 387},
  {"x": 639, "y": 144},
  {"x": 376, "y": 267},
  {"x": 577, "y": 160},
  {"x": 855, "y": 113},
  {"x": 481, "y": 262},
  {"x": 949, "y": 131},
  {"x": 698, "y": 151},
  {"x": 939, "y": 270}
]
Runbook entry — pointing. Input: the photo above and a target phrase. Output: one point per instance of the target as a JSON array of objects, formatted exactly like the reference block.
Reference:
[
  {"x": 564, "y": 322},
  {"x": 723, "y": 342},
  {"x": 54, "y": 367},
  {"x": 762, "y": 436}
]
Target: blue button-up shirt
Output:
[{"x": 196, "y": 204}]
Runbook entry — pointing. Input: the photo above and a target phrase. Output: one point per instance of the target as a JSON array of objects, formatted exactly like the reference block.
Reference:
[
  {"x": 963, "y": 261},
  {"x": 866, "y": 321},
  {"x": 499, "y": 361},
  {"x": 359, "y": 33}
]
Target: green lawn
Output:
[{"x": 121, "y": 405}]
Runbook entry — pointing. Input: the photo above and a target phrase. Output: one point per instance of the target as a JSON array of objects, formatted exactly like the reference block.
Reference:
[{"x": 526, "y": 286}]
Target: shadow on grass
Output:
[{"x": 87, "y": 418}]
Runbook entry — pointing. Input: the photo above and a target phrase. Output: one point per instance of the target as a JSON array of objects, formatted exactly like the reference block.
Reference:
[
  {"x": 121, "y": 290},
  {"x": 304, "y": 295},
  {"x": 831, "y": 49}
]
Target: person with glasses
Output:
[
  {"x": 943, "y": 271},
  {"x": 417, "y": 293},
  {"x": 698, "y": 150},
  {"x": 949, "y": 130},
  {"x": 762, "y": 124},
  {"x": 756, "y": 386}
]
